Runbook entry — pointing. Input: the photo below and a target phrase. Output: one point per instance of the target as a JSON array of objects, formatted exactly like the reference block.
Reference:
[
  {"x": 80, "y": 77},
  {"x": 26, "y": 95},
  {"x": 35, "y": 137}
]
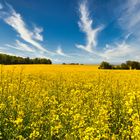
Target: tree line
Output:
[
  {"x": 126, "y": 66},
  {"x": 72, "y": 64},
  {"x": 9, "y": 59}
]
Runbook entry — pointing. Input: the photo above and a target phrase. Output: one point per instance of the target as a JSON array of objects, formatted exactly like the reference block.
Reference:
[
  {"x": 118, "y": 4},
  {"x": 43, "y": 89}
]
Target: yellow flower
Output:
[
  {"x": 2, "y": 106},
  {"x": 18, "y": 121},
  {"x": 34, "y": 134},
  {"x": 130, "y": 110}
]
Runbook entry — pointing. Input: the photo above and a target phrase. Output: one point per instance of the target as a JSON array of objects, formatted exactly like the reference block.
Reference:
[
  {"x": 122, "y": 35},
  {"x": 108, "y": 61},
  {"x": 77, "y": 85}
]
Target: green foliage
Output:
[
  {"x": 105, "y": 65},
  {"x": 8, "y": 59},
  {"x": 123, "y": 66},
  {"x": 133, "y": 64}
]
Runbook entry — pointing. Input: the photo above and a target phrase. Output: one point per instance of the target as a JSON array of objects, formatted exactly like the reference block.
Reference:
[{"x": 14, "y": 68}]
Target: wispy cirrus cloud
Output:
[
  {"x": 60, "y": 52},
  {"x": 121, "y": 51},
  {"x": 118, "y": 51},
  {"x": 18, "y": 45},
  {"x": 129, "y": 22},
  {"x": 24, "y": 46},
  {"x": 15, "y": 20},
  {"x": 85, "y": 25},
  {"x": 5, "y": 50},
  {"x": 37, "y": 33},
  {"x": 30, "y": 40},
  {"x": 130, "y": 18}
]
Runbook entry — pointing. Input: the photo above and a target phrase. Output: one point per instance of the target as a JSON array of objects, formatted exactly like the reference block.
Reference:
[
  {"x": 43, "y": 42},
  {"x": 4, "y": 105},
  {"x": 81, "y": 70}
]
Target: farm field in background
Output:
[{"x": 69, "y": 102}]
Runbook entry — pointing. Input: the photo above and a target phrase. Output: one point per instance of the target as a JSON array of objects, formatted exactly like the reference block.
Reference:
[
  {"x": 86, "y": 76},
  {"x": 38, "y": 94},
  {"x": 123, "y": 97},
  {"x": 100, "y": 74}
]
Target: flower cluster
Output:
[{"x": 69, "y": 102}]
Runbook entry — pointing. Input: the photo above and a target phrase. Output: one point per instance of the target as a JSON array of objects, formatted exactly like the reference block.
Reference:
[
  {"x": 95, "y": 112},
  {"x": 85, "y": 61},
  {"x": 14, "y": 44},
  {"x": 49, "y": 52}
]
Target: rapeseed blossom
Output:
[{"x": 70, "y": 103}]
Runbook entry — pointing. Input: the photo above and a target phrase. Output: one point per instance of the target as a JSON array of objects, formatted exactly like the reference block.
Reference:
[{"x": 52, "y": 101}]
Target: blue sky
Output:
[{"x": 80, "y": 31}]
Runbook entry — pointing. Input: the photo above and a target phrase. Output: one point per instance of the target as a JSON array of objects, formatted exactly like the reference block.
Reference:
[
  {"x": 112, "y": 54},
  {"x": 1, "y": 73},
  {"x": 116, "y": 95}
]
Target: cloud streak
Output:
[
  {"x": 60, "y": 52},
  {"x": 15, "y": 20},
  {"x": 20, "y": 46},
  {"x": 118, "y": 51},
  {"x": 37, "y": 34},
  {"x": 130, "y": 17},
  {"x": 85, "y": 25}
]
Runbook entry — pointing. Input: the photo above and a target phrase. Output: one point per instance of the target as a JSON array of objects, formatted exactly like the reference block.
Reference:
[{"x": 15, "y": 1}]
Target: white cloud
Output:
[
  {"x": 85, "y": 25},
  {"x": 37, "y": 33},
  {"x": 130, "y": 17},
  {"x": 15, "y": 20},
  {"x": 129, "y": 22},
  {"x": 121, "y": 51},
  {"x": 23, "y": 46},
  {"x": 20, "y": 46},
  {"x": 59, "y": 51},
  {"x": 4, "y": 50},
  {"x": 13, "y": 47},
  {"x": 1, "y": 6}
]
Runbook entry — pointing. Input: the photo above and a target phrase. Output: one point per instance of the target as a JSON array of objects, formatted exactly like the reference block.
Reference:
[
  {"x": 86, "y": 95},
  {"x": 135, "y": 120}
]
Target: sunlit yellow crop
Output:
[{"x": 65, "y": 102}]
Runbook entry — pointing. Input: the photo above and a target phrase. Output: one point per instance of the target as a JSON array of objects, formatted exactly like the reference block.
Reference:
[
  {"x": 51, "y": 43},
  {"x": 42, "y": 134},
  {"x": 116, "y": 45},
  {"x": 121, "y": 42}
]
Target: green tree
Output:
[
  {"x": 124, "y": 66},
  {"x": 8, "y": 59},
  {"x": 105, "y": 65}
]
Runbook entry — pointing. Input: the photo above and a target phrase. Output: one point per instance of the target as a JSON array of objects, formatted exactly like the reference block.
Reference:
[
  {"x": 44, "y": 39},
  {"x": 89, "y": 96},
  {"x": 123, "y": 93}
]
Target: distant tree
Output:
[
  {"x": 116, "y": 67},
  {"x": 105, "y": 65},
  {"x": 124, "y": 66},
  {"x": 133, "y": 64},
  {"x": 8, "y": 59},
  {"x": 128, "y": 65},
  {"x": 27, "y": 60},
  {"x": 74, "y": 63}
]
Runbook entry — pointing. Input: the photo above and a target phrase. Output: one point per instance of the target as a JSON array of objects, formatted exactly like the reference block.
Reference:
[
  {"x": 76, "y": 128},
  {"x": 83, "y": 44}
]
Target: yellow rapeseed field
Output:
[{"x": 65, "y": 102}]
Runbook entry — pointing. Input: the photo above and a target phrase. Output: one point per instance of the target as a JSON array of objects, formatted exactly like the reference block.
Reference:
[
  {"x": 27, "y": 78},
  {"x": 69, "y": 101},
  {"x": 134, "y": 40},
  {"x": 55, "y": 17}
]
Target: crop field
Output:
[{"x": 65, "y": 102}]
